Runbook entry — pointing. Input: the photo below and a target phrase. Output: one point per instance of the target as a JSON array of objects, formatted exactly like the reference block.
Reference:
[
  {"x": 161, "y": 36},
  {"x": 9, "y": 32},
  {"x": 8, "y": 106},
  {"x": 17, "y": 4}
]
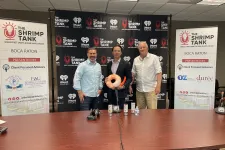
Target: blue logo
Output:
[
  {"x": 5, "y": 67},
  {"x": 14, "y": 82},
  {"x": 182, "y": 77}
]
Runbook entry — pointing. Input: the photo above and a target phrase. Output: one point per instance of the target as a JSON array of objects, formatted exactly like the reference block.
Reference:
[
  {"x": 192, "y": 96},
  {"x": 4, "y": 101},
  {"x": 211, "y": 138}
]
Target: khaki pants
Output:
[{"x": 148, "y": 99}]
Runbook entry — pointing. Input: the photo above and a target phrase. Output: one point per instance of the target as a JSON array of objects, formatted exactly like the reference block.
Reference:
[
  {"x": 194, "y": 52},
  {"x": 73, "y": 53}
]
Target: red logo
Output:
[
  {"x": 13, "y": 98},
  {"x": 124, "y": 23},
  {"x": 58, "y": 40},
  {"x": 24, "y": 59},
  {"x": 89, "y": 22},
  {"x": 184, "y": 37},
  {"x": 9, "y": 30},
  {"x": 130, "y": 42},
  {"x": 96, "y": 41},
  {"x": 163, "y": 42},
  {"x": 157, "y": 25},
  {"x": 103, "y": 59},
  {"x": 67, "y": 59},
  {"x": 183, "y": 92}
]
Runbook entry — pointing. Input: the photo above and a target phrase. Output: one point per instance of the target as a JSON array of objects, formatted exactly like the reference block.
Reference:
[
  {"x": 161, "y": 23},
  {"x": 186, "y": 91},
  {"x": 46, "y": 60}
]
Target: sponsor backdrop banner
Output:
[
  {"x": 24, "y": 68},
  {"x": 77, "y": 31},
  {"x": 195, "y": 75}
]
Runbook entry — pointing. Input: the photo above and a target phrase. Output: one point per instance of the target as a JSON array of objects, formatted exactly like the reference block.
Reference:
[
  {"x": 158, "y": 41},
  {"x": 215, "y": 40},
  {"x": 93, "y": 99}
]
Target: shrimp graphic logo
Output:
[
  {"x": 9, "y": 30},
  {"x": 184, "y": 37}
]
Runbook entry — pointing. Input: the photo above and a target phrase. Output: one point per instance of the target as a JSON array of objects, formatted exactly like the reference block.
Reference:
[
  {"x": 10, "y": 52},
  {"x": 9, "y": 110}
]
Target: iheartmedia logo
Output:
[
  {"x": 153, "y": 43},
  {"x": 120, "y": 41},
  {"x": 147, "y": 25},
  {"x": 64, "y": 80},
  {"x": 113, "y": 24},
  {"x": 126, "y": 58},
  {"x": 77, "y": 22},
  {"x": 57, "y": 60},
  {"x": 164, "y": 78},
  {"x": 72, "y": 98},
  {"x": 85, "y": 42}
]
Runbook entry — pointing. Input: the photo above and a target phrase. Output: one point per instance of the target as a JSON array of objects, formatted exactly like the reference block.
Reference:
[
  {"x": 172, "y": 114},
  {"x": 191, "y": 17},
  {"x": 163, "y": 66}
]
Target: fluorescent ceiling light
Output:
[
  {"x": 125, "y": 0},
  {"x": 184, "y": 1},
  {"x": 212, "y": 2}
]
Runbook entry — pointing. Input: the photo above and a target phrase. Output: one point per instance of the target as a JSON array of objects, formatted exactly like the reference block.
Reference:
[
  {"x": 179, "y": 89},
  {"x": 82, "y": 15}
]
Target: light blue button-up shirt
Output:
[{"x": 88, "y": 78}]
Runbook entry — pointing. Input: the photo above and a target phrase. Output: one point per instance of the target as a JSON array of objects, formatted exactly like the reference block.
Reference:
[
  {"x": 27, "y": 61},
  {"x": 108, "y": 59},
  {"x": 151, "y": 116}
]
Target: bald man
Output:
[{"x": 148, "y": 74}]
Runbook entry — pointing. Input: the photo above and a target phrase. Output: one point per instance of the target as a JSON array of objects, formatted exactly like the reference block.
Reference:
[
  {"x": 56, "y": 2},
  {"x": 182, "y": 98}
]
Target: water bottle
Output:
[
  {"x": 125, "y": 109},
  {"x": 110, "y": 109},
  {"x": 136, "y": 111}
]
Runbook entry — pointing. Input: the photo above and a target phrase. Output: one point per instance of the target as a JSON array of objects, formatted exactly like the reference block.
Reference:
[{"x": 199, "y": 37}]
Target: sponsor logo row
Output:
[
  {"x": 74, "y": 61},
  {"x": 99, "y": 42},
  {"x": 91, "y": 23}
]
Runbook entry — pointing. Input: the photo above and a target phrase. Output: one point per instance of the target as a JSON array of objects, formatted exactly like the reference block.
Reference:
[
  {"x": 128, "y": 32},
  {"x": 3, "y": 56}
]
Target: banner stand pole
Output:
[
  {"x": 52, "y": 61},
  {"x": 170, "y": 81}
]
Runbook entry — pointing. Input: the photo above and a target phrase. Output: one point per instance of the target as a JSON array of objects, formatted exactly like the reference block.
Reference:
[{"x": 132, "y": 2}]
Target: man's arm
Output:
[
  {"x": 128, "y": 75},
  {"x": 77, "y": 82},
  {"x": 158, "y": 70},
  {"x": 133, "y": 72},
  {"x": 100, "y": 83}
]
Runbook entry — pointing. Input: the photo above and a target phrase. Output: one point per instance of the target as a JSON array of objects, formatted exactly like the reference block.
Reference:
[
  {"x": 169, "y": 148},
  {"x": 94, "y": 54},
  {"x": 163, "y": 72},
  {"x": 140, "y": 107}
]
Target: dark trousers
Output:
[
  {"x": 113, "y": 100},
  {"x": 89, "y": 103}
]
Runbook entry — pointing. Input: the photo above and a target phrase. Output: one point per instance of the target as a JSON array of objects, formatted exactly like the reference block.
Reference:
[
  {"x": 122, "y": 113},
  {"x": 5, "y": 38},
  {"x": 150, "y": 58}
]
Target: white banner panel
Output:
[
  {"x": 195, "y": 68},
  {"x": 24, "y": 68}
]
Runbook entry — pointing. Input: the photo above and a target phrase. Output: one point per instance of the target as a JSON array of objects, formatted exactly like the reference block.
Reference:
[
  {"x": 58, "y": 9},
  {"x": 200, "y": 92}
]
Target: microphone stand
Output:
[{"x": 117, "y": 99}]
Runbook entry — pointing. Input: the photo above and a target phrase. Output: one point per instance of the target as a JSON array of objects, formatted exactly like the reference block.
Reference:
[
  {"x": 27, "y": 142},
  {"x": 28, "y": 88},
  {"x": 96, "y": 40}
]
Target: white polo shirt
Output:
[{"x": 145, "y": 71}]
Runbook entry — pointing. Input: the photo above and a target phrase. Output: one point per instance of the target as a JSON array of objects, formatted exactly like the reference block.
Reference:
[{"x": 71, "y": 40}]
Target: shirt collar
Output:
[
  {"x": 89, "y": 62},
  {"x": 117, "y": 61},
  {"x": 148, "y": 55}
]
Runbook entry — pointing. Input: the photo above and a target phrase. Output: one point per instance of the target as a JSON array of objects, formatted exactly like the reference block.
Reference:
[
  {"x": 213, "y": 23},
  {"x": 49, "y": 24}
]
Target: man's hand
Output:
[
  {"x": 157, "y": 90},
  {"x": 99, "y": 92},
  {"x": 81, "y": 96},
  {"x": 120, "y": 87},
  {"x": 106, "y": 79},
  {"x": 130, "y": 90}
]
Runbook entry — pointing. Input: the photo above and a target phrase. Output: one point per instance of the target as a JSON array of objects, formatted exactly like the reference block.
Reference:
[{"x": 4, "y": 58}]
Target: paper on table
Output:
[{"x": 1, "y": 121}]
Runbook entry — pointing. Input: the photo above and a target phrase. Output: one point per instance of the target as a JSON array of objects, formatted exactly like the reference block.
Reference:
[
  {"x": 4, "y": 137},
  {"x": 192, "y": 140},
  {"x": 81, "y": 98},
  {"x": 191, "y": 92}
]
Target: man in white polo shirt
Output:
[{"x": 148, "y": 74}]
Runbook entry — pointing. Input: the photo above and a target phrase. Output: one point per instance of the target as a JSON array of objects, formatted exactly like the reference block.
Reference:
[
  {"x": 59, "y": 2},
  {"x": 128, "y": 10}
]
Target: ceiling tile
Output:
[
  {"x": 13, "y": 5},
  {"x": 118, "y": 11},
  {"x": 155, "y": 1},
  {"x": 36, "y": 3},
  {"x": 164, "y": 13},
  {"x": 85, "y": 4},
  {"x": 199, "y": 8},
  {"x": 45, "y": 9},
  {"x": 174, "y": 7},
  {"x": 147, "y": 7},
  {"x": 185, "y": 14},
  {"x": 62, "y": 4},
  {"x": 121, "y": 5},
  {"x": 141, "y": 12},
  {"x": 94, "y": 10}
]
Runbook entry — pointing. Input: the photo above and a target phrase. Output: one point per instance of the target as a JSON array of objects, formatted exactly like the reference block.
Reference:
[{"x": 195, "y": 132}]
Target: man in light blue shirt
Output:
[{"x": 88, "y": 81}]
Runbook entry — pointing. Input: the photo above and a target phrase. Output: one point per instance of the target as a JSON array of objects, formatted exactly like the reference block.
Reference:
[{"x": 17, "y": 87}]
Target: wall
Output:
[{"x": 42, "y": 17}]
